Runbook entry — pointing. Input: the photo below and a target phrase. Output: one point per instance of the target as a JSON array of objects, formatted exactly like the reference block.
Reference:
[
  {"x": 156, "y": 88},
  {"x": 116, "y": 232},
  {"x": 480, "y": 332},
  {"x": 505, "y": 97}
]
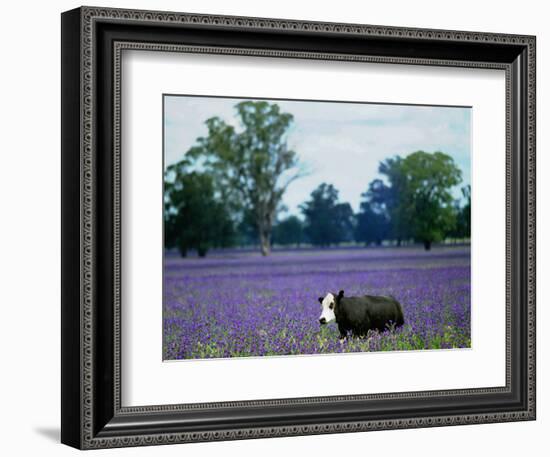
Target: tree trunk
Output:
[
  {"x": 264, "y": 224},
  {"x": 265, "y": 243},
  {"x": 427, "y": 245}
]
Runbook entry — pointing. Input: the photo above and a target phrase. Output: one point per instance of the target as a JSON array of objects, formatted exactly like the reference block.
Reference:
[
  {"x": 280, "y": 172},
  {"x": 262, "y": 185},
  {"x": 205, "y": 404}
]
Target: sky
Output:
[{"x": 338, "y": 143}]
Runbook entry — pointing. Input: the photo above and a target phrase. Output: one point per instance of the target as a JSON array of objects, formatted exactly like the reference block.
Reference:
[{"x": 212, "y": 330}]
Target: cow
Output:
[{"x": 358, "y": 315}]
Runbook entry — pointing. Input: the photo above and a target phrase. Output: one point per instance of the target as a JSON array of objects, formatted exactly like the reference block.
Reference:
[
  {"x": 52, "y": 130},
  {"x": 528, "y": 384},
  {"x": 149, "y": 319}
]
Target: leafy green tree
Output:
[
  {"x": 194, "y": 217},
  {"x": 254, "y": 164},
  {"x": 327, "y": 221},
  {"x": 426, "y": 199},
  {"x": 391, "y": 199},
  {"x": 462, "y": 226},
  {"x": 372, "y": 223},
  {"x": 288, "y": 232},
  {"x": 465, "y": 220},
  {"x": 247, "y": 232}
]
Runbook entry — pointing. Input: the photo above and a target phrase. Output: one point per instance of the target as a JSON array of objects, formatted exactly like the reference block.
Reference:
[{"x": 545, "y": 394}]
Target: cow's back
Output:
[
  {"x": 373, "y": 311},
  {"x": 383, "y": 310},
  {"x": 354, "y": 309}
]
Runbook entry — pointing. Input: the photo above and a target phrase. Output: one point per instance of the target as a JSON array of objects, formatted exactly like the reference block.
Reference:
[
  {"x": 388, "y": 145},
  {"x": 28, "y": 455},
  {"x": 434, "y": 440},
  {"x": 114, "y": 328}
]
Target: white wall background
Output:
[{"x": 30, "y": 228}]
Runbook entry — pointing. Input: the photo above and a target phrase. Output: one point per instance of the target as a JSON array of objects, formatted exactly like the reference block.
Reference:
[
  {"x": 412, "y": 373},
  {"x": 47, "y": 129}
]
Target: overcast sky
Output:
[{"x": 339, "y": 143}]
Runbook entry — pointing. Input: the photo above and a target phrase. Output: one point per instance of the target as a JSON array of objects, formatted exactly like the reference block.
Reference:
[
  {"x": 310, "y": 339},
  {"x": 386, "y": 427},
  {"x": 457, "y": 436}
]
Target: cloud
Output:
[{"x": 340, "y": 143}]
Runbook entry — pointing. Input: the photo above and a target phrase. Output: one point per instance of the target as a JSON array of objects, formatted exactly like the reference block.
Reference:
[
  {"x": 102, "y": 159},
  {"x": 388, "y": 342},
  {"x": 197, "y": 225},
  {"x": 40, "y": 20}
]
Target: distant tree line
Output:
[
  {"x": 413, "y": 204},
  {"x": 228, "y": 190}
]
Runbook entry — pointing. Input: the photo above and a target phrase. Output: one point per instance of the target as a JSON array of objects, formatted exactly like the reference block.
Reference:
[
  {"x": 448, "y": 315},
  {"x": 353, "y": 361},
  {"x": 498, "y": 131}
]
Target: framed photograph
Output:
[{"x": 274, "y": 227}]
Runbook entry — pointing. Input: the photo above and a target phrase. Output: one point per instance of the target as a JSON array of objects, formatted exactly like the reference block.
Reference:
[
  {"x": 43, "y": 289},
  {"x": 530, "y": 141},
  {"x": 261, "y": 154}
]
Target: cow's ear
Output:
[
  {"x": 340, "y": 294},
  {"x": 321, "y": 300}
]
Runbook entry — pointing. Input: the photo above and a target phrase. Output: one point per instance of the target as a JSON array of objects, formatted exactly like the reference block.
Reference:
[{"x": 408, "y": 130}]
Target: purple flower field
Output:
[{"x": 240, "y": 304}]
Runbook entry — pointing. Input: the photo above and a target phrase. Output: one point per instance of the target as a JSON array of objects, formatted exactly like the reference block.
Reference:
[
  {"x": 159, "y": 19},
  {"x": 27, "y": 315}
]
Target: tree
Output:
[
  {"x": 326, "y": 220},
  {"x": 391, "y": 199},
  {"x": 372, "y": 223},
  {"x": 253, "y": 165},
  {"x": 247, "y": 232},
  {"x": 426, "y": 198},
  {"x": 466, "y": 213},
  {"x": 289, "y": 231},
  {"x": 194, "y": 218},
  {"x": 462, "y": 226}
]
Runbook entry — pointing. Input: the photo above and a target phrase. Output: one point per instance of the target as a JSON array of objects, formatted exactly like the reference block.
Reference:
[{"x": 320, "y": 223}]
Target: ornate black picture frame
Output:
[{"x": 92, "y": 42}]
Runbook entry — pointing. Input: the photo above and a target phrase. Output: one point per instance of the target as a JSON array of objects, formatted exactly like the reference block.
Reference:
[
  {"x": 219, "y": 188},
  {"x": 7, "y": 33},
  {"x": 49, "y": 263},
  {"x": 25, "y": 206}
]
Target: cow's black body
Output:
[{"x": 358, "y": 315}]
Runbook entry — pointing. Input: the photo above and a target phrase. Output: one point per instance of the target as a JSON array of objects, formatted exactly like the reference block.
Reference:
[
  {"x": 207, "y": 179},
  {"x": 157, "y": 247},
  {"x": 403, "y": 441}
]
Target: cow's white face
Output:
[{"x": 327, "y": 312}]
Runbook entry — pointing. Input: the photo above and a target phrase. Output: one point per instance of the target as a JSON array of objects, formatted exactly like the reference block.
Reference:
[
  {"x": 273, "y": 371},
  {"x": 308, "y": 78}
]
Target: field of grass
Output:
[{"x": 240, "y": 304}]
